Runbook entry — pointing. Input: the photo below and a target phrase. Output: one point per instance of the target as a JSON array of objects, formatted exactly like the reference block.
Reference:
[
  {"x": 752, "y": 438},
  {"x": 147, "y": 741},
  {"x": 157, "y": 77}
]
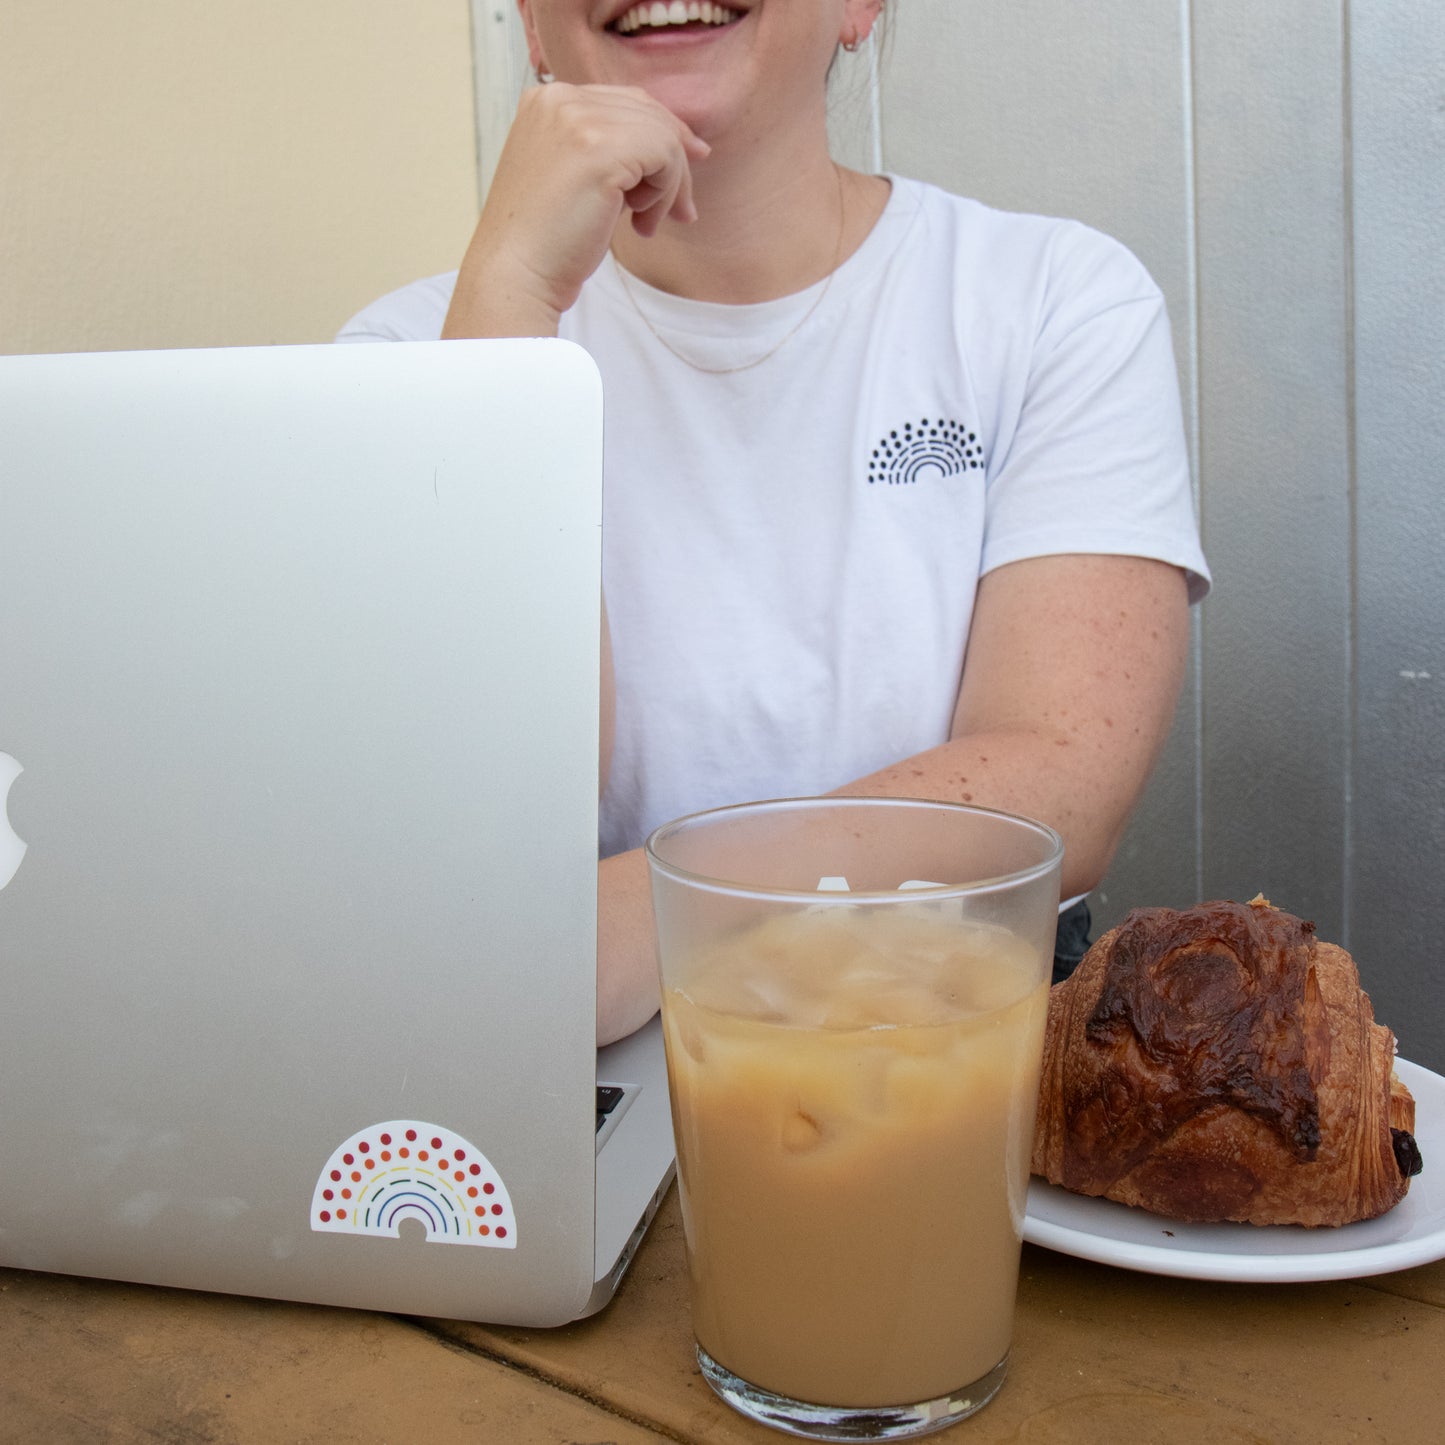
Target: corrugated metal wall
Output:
[
  {"x": 1395, "y": 844},
  {"x": 1281, "y": 171}
]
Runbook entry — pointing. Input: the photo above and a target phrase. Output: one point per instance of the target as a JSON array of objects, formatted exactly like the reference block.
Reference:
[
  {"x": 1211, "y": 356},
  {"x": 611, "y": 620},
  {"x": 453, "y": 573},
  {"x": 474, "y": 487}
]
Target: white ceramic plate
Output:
[{"x": 1412, "y": 1233}]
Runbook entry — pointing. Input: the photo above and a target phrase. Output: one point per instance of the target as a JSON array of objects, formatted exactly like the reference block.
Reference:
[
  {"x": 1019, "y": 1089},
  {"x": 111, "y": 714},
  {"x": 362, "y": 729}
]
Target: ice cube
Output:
[
  {"x": 802, "y": 1133},
  {"x": 686, "y": 1029},
  {"x": 908, "y": 1004},
  {"x": 761, "y": 996}
]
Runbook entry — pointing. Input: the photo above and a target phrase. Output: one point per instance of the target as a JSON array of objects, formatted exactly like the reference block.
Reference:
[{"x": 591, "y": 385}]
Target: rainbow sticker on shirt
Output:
[{"x": 406, "y": 1169}]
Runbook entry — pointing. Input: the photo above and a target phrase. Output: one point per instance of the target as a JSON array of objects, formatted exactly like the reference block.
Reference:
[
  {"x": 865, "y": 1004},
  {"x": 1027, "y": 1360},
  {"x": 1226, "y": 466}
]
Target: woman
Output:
[{"x": 857, "y": 429}]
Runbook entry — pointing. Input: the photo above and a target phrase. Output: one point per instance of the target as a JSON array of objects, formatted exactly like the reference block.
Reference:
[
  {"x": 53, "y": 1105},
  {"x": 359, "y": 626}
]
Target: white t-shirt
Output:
[{"x": 791, "y": 551}]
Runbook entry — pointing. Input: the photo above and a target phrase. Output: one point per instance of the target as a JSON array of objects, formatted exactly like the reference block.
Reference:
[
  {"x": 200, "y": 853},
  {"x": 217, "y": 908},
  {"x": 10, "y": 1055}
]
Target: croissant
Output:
[{"x": 1221, "y": 1063}]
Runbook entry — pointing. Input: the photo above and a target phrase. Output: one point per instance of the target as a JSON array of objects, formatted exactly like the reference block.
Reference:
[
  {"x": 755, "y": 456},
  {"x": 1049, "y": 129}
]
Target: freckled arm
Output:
[
  {"x": 1073, "y": 671},
  {"x": 1069, "y": 688}
]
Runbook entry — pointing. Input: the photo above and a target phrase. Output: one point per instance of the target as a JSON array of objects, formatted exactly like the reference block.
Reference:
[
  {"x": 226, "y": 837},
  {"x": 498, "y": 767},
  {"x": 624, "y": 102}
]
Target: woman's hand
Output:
[{"x": 576, "y": 159}]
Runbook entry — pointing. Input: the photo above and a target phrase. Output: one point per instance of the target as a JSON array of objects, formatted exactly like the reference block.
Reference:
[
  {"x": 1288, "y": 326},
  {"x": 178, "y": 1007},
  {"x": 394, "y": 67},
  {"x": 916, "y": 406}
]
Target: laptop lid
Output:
[{"x": 298, "y": 707}]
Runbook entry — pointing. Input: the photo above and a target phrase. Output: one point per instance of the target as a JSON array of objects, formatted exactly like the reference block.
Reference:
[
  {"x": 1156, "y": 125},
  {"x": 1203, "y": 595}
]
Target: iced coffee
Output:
[
  {"x": 854, "y": 1077},
  {"x": 854, "y": 1095}
]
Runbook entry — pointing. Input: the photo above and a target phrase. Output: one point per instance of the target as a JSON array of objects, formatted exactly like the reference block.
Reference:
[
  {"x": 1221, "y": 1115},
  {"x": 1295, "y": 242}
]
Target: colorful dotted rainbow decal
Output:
[{"x": 409, "y": 1170}]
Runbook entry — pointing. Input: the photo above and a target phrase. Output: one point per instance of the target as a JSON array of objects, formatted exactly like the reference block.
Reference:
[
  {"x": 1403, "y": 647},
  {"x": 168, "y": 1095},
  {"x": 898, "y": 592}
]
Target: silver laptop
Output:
[{"x": 298, "y": 722}]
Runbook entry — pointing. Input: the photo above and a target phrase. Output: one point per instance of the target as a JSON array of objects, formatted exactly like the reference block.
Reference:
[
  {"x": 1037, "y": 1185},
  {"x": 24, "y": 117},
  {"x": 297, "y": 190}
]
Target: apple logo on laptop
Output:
[{"x": 12, "y": 847}]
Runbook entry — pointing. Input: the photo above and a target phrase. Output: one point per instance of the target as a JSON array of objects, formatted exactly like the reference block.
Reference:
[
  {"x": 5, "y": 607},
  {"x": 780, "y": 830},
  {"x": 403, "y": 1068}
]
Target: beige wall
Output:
[{"x": 182, "y": 174}]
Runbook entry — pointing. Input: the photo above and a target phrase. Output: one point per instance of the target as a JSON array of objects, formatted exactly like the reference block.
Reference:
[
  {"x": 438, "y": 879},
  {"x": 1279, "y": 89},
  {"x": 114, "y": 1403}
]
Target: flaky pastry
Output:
[{"x": 1221, "y": 1063}]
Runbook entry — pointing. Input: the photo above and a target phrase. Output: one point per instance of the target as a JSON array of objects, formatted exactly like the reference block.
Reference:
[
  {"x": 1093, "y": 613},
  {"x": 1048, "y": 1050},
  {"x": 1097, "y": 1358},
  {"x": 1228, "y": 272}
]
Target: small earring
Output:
[
  {"x": 544, "y": 77},
  {"x": 851, "y": 46}
]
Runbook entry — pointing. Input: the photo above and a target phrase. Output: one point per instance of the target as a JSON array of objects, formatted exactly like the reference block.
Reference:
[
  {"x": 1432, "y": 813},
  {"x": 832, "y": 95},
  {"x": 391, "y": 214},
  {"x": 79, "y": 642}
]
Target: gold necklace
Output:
[{"x": 786, "y": 337}]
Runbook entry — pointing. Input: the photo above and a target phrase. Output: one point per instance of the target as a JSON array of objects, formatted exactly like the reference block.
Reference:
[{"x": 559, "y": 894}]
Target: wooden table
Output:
[{"x": 1100, "y": 1354}]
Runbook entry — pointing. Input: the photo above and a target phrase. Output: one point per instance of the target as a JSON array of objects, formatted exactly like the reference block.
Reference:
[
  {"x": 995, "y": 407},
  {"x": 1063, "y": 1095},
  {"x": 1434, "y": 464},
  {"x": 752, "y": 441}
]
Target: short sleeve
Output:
[
  {"x": 1097, "y": 461},
  {"x": 414, "y": 313}
]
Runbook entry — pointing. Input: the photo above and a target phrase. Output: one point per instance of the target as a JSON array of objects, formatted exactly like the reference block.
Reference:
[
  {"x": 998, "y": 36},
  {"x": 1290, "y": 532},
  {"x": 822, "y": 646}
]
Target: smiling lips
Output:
[{"x": 656, "y": 14}]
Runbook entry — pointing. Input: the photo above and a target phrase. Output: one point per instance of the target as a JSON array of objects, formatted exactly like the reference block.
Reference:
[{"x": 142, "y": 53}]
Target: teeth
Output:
[{"x": 660, "y": 13}]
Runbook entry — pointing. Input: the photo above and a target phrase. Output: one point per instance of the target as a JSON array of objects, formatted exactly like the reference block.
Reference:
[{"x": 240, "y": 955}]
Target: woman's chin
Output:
[{"x": 693, "y": 103}]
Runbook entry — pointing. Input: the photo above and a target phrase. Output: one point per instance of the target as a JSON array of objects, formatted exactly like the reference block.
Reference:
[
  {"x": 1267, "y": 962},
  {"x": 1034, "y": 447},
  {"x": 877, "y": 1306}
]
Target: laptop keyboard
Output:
[{"x": 609, "y": 1096}]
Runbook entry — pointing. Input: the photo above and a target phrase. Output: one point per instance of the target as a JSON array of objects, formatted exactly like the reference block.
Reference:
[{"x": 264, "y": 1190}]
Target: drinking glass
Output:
[{"x": 854, "y": 994}]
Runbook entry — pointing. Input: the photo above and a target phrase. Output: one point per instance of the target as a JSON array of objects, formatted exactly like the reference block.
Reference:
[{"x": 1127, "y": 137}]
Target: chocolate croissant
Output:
[{"x": 1221, "y": 1063}]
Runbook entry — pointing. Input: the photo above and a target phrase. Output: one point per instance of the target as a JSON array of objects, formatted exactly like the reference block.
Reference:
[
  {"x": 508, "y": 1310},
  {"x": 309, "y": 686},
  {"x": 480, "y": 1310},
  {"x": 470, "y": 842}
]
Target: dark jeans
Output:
[{"x": 1071, "y": 942}]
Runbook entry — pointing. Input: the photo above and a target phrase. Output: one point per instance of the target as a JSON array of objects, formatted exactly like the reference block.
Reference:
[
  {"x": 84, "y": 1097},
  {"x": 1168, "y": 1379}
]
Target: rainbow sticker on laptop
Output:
[{"x": 406, "y": 1169}]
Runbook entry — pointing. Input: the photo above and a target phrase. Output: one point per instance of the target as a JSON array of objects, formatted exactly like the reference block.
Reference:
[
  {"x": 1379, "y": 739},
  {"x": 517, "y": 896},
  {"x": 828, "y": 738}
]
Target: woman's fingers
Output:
[
  {"x": 662, "y": 189},
  {"x": 668, "y": 193},
  {"x": 652, "y": 201},
  {"x": 576, "y": 159}
]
